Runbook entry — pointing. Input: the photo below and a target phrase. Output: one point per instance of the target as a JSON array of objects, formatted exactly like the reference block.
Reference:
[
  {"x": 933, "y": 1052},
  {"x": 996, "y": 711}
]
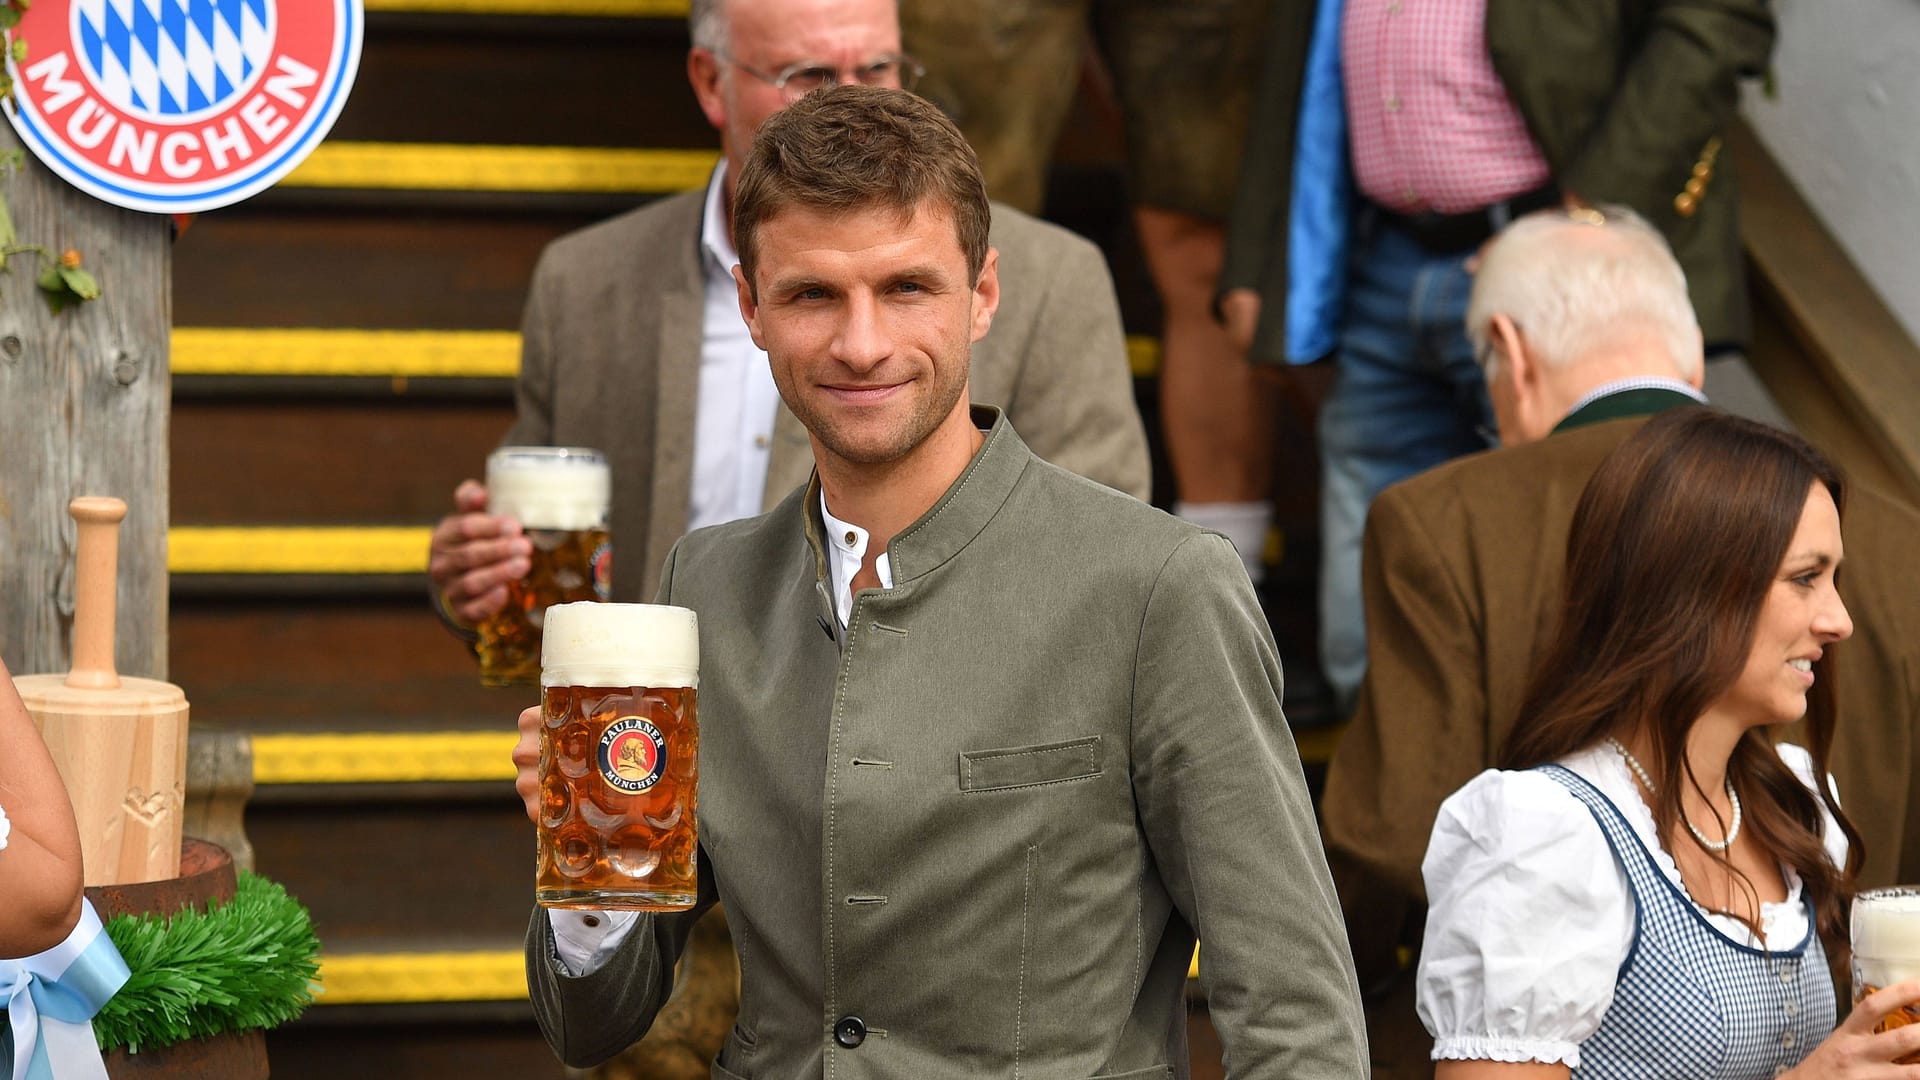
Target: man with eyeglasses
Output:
[{"x": 633, "y": 344}]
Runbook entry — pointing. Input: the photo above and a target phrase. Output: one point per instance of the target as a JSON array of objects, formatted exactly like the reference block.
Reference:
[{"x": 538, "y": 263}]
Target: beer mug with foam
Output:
[
  {"x": 1886, "y": 947},
  {"x": 559, "y": 496},
  {"x": 619, "y": 757}
]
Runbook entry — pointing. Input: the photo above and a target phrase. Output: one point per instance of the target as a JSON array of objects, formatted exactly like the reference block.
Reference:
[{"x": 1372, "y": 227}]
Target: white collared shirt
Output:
[
  {"x": 848, "y": 545},
  {"x": 737, "y": 401}
]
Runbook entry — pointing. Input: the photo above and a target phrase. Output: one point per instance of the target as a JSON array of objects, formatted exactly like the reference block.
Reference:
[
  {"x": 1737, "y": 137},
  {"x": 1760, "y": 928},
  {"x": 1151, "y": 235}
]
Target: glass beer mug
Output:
[
  {"x": 619, "y": 757},
  {"x": 1886, "y": 947},
  {"x": 559, "y": 495}
]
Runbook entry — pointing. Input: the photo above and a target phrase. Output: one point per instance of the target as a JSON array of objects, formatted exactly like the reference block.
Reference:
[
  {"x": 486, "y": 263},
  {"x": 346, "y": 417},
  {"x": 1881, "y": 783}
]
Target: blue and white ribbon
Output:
[{"x": 51, "y": 999}]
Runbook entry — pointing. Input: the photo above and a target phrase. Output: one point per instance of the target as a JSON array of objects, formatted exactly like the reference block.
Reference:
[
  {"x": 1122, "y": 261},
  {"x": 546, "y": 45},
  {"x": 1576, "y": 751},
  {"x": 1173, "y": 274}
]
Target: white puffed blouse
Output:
[{"x": 1530, "y": 916}]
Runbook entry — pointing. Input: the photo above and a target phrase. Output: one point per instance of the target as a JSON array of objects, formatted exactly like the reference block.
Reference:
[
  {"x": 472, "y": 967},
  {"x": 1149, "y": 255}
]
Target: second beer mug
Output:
[
  {"x": 1886, "y": 947},
  {"x": 619, "y": 758},
  {"x": 559, "y": 496}
]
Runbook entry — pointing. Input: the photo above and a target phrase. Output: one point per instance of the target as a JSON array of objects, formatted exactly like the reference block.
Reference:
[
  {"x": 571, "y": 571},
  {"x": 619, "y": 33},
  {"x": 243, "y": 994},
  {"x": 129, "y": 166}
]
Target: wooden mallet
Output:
[{"x": 120, "y": 743}]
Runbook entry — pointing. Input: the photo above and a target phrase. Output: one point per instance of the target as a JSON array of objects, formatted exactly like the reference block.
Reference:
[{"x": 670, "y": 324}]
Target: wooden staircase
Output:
[{"x": 343, "y": 356}]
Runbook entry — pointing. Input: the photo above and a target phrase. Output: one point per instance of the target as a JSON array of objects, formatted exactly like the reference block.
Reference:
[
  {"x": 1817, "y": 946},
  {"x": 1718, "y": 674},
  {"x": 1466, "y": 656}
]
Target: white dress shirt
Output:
[
  {"x": 736, "y": 402},
  {"x": 1531, "y": 915}
]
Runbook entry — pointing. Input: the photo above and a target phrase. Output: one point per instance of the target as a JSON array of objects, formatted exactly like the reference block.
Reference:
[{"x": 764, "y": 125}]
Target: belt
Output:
[{"x": 1446, "y": 234}]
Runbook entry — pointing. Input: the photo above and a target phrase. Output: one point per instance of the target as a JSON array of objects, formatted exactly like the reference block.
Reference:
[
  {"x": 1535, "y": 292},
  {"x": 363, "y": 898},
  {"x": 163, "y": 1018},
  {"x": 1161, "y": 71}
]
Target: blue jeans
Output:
[{"x": 1407, "y": 395}]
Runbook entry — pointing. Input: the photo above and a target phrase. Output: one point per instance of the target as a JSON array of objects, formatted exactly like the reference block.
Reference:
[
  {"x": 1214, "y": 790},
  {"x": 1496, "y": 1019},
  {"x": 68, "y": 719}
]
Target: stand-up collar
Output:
[
  {"x": 959, "y": 516},
  {"x": 1642, "y": 398}
]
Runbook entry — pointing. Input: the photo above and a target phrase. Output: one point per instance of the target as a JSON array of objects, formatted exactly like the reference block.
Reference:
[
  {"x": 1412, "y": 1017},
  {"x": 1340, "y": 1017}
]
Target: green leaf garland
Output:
[{"x": 249, "y": 963}]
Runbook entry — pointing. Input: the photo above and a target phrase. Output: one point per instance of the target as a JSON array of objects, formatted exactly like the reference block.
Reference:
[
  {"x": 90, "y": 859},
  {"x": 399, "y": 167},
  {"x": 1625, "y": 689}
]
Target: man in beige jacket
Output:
[{"x": 983, "y": 743}]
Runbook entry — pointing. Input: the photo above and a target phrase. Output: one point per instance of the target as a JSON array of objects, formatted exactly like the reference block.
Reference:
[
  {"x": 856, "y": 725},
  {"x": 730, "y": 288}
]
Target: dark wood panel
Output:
[
  {"x": 331, "y": 664},
  {"x": 420, "y": 1051},
  {"x": 555, "y": 82},
  {"x": 247, "y": 266},
  {"x": 345, "y": 462},
  {"x": 404, "y": 876}
]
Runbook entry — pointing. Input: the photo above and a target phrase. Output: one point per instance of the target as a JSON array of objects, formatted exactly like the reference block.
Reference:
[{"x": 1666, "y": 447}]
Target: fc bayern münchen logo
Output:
[{"x": 176, "y": 106}]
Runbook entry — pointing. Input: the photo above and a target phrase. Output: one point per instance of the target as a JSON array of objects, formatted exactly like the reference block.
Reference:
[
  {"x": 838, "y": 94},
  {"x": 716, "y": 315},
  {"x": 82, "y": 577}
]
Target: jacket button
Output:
[{"x": 849, "y": 1031}]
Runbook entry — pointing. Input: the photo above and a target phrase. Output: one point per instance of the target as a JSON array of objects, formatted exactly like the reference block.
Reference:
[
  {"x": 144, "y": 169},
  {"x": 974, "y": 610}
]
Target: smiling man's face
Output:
[{"x": 868, "y": 318}]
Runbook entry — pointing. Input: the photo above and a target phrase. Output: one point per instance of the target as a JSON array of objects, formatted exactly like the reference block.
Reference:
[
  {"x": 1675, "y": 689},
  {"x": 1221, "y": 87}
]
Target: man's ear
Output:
[
  {"x": 1520, "y": 371},
  {"x": 749, "y": 306},
  {"x": 986, "y": 294},
  {"x": 703, "y": 72}
]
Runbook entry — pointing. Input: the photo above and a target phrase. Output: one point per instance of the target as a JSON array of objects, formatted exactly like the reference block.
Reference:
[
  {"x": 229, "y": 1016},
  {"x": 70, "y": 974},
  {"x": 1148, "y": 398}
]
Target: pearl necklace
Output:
[{"x": 1733, "y": 830}]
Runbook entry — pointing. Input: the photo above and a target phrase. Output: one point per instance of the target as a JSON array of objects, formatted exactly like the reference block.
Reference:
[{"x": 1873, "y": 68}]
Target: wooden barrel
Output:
[{"x": 206, "y": 875}]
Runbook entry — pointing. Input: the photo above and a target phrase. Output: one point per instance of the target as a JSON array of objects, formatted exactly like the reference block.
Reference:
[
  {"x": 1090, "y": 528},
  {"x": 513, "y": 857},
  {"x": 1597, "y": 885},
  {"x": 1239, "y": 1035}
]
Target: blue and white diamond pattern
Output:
[{"x": 173, "y": 59}]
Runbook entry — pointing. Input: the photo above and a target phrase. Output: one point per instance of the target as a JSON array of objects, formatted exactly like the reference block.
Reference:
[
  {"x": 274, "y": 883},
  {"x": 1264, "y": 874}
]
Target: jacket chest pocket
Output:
[{"x": 1031, "y": 766}]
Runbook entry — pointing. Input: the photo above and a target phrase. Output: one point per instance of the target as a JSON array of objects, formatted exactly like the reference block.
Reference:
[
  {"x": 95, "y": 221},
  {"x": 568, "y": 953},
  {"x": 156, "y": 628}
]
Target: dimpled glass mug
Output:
[{"x": 619, "y": 757}]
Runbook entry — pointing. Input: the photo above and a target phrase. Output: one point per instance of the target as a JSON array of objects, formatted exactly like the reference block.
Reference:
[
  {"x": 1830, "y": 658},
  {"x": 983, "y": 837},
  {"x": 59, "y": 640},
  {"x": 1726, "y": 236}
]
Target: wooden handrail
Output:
[{"x": 1844, "y": 345}]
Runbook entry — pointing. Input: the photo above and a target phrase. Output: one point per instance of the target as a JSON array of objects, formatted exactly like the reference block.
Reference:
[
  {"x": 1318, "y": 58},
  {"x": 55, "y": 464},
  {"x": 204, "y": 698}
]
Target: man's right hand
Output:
[
  {"x": 526, "y": 762},
  {"x": 475, "y": 554}
]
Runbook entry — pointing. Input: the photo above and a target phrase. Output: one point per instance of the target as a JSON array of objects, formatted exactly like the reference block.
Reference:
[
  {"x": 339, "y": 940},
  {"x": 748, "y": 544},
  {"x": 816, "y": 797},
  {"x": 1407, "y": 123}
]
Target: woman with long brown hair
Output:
[{"x": 1643, "y": 889}]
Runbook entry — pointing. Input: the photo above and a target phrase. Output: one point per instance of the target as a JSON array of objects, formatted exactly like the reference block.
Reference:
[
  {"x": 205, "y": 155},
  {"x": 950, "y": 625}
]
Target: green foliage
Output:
[
  {"x": 62, "y": 282},
  {"x": 247, "y": 964}
]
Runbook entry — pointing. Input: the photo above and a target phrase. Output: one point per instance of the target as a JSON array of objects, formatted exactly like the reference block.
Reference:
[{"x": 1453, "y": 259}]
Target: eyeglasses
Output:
[{"x": 796, "y": 81}]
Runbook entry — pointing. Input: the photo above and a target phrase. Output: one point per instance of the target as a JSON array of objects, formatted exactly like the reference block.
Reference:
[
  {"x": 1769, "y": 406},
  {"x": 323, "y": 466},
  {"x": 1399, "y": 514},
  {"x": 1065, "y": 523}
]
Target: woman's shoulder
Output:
[{"x": 1499, "y": 816}]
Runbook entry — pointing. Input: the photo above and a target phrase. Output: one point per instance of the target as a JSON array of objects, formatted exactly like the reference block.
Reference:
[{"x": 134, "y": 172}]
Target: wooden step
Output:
[
  {"x": 328, "y": 662},
  {"x": 338, "y": 461}
]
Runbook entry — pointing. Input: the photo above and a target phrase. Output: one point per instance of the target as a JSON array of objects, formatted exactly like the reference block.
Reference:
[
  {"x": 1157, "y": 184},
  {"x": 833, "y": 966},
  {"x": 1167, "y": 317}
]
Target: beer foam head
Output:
[
  {"x": 1886, "y": 935},
  {"x": 596, "y": 644},
  {"x": 549, "y": 487}
]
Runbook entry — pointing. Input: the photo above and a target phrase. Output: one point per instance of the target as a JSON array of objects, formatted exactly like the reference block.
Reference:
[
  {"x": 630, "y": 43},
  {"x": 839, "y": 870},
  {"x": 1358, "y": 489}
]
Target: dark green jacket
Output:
[{"x": 1627, "y": 100}]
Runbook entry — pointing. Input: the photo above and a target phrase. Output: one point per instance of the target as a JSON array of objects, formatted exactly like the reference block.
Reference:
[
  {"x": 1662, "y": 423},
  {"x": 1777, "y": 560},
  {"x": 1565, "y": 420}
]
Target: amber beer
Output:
[
  {"x": 559, "y": 496},
  {"x": 619, "y": 754},
  {"x": 1886, "y": 948}
]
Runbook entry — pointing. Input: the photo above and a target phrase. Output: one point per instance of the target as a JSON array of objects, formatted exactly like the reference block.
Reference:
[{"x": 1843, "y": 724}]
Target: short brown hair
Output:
[{"x": 860, "y": 147}]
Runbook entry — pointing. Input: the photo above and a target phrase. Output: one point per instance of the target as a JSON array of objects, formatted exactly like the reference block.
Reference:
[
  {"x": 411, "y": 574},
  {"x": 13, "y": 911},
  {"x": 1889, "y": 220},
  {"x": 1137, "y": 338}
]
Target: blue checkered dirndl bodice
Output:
[{"x": 1690, "y": 1002}]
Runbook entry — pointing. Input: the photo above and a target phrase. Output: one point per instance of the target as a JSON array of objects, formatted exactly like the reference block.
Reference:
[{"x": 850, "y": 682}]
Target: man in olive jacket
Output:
[{"x": 983, "y": 743}]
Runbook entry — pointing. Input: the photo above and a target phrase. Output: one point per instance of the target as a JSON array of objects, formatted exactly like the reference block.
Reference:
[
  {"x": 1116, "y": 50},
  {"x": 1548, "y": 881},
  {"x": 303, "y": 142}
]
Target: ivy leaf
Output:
[
  {"x": 19, "y": 50},
  {"x": 80, "y": 283},
  {"x": 8, "y": 237},
  {"x": 9, "y": 16}
]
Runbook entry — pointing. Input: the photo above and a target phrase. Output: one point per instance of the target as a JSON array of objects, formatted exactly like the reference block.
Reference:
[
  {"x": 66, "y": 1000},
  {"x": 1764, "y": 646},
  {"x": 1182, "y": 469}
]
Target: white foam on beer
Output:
[
  {"x": 1886, "y": 936},
  {"x": 596, "y": 644},
  {"x": 549, "y": 487}
]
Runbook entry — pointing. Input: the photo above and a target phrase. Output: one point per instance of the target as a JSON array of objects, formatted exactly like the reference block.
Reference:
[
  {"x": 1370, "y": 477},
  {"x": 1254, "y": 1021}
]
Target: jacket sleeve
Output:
[
  {"x": 1073, "y": 402},
  {"x": 589, "y": 1018},
  {"x": 1226, "y": 813},
  {"x": 1678, "y": 89},
  {"x": 533, "y": 386},
  {"x": 1420, "y": 730}
]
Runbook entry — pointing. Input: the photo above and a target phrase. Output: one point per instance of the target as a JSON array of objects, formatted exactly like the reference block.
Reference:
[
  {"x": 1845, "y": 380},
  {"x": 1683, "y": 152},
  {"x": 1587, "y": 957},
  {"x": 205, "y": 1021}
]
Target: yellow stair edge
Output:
[
  {"x": 396, "y": 978},
  {"x": 384, "y": 757},
  {"x": 454, "y": 756},
  {"x": 411, "y": 978},
  {"x": 196, "y": 549},
  {"x": 478, "y": 167},
  {"x": 638, "y": 9},
  {"x": 400, "y": 354},
  {"x": 451, "y": 354}
]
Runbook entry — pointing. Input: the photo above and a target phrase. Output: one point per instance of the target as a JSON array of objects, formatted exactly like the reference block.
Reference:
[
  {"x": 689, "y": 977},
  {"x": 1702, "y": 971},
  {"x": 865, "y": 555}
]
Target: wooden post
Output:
[{"x": 84, "y": 403}]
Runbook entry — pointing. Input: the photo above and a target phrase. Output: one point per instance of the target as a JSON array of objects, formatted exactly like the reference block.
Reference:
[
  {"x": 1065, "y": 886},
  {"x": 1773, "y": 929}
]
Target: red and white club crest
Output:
[{"x": 177, "y": 106}]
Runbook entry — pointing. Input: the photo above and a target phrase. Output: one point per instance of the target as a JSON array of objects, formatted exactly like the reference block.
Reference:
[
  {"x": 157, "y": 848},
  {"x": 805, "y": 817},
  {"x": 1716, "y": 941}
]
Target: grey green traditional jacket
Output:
[{"x": 988, "y": 817}]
